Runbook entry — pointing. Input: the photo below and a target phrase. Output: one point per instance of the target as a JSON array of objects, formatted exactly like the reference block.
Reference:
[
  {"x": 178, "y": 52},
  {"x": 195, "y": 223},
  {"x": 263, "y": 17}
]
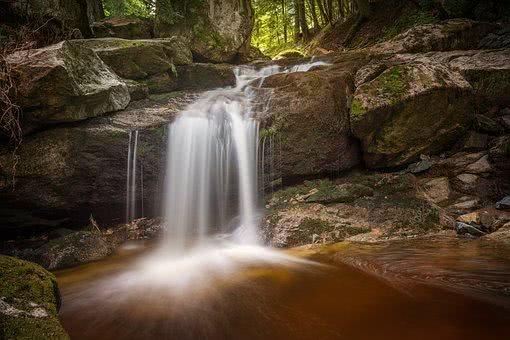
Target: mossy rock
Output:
[
  {"x": 216, "y": 31},
  {"x": 29, "y": 301},
  {"x": 410, "y": 109},
  {"x": 344, "y": 193}
]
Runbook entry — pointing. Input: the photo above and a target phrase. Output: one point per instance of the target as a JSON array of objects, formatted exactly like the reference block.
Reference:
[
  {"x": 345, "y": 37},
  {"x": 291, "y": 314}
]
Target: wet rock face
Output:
[
  {"x": 217, "y": 31},
  {"x": 64, "y": 83},
  {"x": 307, "y": 114},
  {"x": 408, "y": 105},
  {"x": 68, "y": 173},
  {"x": 29, "y": 302}
]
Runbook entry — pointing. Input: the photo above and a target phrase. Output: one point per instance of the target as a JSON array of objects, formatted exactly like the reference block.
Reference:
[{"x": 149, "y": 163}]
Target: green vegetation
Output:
[
  {"x": 357, "y": 109},
  {"x": 129, "y": 8},
  {"x": 392, "y": 82},
  {"x": 24, "y": 284},
  {"x": 289, "y": 24}
]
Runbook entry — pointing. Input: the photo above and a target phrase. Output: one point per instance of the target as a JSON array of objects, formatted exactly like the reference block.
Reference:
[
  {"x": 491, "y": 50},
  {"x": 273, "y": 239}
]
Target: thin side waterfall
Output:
[
  {"x": 131, "y": 212},
  {"x": 212, "y": 178}
]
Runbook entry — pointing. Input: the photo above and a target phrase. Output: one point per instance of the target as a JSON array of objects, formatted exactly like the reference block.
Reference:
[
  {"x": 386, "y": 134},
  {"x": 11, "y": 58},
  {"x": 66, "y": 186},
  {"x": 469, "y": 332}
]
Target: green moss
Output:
[
  {"x": 392, "y": 83},
  {"x": 314, "y": 226},
  {"x": 357, "y": 109},
  {"x": 28, "y": 281},
  {"x": 23, "y": 284},
  {"x": 346, "y": 193},
  {"x": 24, "y": 328}
]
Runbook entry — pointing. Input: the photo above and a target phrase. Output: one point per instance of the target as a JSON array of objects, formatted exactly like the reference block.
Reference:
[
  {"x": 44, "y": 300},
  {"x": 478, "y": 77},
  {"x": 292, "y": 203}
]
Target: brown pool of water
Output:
[{"x": 239, "y": 298}]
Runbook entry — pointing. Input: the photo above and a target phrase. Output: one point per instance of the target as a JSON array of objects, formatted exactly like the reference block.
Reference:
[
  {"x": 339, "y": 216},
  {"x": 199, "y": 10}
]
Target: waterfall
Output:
[
  {"x": 212, "y": 164},
  {"x": 131, "y": 176}
]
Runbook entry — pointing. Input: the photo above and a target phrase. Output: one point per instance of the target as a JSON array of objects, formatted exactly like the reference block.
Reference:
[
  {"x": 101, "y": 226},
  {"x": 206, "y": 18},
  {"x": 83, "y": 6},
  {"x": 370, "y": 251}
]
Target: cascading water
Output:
[
  {"x": 212, "y": 150},
  {"x": 131, "y": 176}
]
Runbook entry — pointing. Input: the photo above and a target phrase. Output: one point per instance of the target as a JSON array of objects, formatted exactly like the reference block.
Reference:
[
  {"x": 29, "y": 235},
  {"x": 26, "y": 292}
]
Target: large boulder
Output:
[
  {"x": 70, "y": 14},
  {"x": 413, "y": 104},
  {"x": 217, "y": 31},
  {"x": 64, "y": 82},
  {"x": 454, "y": 34},
  {"x": 64, "y": 175},
  {"x": 29, "y": 302},
  {"x": 152, "y": 62},
  {"x": 306, "y": 121}
]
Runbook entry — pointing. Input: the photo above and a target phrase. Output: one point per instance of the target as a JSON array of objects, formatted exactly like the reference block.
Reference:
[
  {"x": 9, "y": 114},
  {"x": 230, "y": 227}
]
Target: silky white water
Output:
[{"x": 212, "y": 164}]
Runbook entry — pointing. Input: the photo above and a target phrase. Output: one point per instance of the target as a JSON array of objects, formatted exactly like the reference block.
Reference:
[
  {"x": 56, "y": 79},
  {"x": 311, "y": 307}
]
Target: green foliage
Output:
[
  {"x": 172, "y": 12},
  {"x": 129, "y": 8},
  {"x": 407, "y": 21}
]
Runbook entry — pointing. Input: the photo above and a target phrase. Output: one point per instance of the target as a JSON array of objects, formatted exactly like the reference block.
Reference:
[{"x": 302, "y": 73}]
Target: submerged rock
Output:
[
  {"x": 65, "y": 174},
  {"x": 63, "y": 83},
  {"x": 29, "y": 302}
]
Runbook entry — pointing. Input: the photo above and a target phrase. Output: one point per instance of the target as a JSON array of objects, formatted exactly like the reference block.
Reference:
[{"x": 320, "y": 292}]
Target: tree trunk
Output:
[
  {"x": 364, "y": 8},
  {"x": 322, "y": 12},
  {"x": 302, "y": 20},
  {"x": 297, "y": 30},
  {"x": 284, "y": 22},
  {"x": 316, "y": 24}
]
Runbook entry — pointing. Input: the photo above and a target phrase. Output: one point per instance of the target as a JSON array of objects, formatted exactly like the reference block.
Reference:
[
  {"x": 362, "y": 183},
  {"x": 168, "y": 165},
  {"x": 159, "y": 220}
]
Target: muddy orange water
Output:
[{"x": 447, "y": 289}]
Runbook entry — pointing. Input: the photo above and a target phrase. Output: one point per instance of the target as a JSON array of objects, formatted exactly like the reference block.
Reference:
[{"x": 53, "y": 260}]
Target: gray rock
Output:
[
  {"x": 421, "y": 166},
  {"x": 467, "y": 229},
  {"x": 65, "y": 82},
  {"x": 480, "y": 166}
]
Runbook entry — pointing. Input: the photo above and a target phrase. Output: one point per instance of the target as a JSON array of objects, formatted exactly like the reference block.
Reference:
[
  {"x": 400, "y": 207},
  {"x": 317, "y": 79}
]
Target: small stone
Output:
[
  {"x": 473, "y": 217},
  {"x": 437, "y": 190},
  {"x": 467, "y": 229},
  {"x": 504, "y": 204},
  {"x": 467, "y": 178},
  {"x": 480, "y": 166},
  {"x": 420, "y": 166},
  {"x": 466, "y": 203}
]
